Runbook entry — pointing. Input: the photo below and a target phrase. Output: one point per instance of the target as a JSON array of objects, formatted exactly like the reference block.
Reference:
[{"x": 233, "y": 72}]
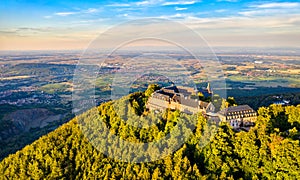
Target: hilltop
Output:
[{"x": 269, "y": 150}]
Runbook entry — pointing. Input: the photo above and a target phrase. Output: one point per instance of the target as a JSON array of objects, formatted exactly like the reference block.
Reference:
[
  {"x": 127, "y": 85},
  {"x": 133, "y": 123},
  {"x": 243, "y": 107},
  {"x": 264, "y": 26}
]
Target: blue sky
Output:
[{"x": 72, "y": 24}]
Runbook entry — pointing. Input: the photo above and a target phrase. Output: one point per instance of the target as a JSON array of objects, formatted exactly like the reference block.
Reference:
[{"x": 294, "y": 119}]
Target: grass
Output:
[{"x": 56, "y": 87}]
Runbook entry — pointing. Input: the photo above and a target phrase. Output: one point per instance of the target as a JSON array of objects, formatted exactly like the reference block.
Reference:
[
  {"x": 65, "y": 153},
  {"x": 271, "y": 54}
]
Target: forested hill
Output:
[{"x": 269, "y": 150}]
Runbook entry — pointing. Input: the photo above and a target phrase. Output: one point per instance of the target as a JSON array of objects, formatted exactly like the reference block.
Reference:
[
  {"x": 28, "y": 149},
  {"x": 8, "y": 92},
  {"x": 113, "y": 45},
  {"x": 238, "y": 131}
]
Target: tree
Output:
[
  {"x": 156, "y": 174},
  {"x": 151, "y": 88},
  {"x": 224, "y": 104},
  {"x": 201, "y": 96},
  {"x": 231, "y": 101},
  {"x": 294, "y": 116},
  {"x": 247, "y": 151},
  {"x": 261, "y": 153}
]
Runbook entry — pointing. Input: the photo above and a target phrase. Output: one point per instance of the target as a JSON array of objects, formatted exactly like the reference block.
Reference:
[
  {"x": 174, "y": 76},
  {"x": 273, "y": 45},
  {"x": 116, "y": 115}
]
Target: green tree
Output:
[
  {"x": 231, "y": 101},
  {"x": 151, "y": 88},
  {"x": 294, "y": 116}
]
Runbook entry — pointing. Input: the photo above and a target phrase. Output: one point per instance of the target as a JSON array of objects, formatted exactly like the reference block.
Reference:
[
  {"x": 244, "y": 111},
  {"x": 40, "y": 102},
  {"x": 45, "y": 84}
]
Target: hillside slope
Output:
[{"x": 266, "y": 151}]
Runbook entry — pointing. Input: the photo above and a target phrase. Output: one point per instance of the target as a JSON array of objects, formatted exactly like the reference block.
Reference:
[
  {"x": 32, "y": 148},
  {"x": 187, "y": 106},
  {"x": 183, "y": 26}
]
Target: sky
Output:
[{"x": 73, "y": 24}]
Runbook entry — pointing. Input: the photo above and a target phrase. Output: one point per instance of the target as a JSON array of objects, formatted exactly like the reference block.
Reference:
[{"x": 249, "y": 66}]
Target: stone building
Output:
[
  {"x": 178, "y": 98},
  {"x": 238, "y": 116},
  {"x": 184, "y": 99}
]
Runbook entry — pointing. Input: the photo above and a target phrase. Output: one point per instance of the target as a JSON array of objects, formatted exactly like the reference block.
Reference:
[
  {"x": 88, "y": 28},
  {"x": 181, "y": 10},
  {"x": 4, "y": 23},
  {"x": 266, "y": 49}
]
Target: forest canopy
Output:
[{"x": 269, "y": 150}]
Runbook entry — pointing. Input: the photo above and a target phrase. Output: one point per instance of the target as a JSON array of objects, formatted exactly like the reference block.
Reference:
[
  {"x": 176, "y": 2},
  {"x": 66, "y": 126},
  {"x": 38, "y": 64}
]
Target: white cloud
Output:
[
  {"x": 27, "y": 31},
  {"x": 138, "y": 3},
  {"x": 91, "y": 10},
  {"x": 268, "y": 12},
  {"x": 149, "y": 2},
  {"x": 65, "y": 13},
  {"x": 86, "y": 11},
  {"x": 82, "y": 23},
  {"x": 154, "y": 2},
  {"x": 227, "y": 0},
  {"x": 258, "y": 12},
  {"x": 47, "y": 17},
  {"x": 246, "y": 24},
  {"x": 176, "y": 16},
  {"x": 169, "y": 3},
  {"x": 268, "y": 9},
  {"x": 220, "y": 10},
  {"x": 141, "y": 3},
  {"x": 119, "y": 5},
  {"x": 180, "y": 9},
  {"x": 278, "y": 5}
]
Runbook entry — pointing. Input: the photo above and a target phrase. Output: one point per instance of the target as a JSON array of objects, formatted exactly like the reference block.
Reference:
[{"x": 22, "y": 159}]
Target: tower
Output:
[{"x": 208, "y": 88}]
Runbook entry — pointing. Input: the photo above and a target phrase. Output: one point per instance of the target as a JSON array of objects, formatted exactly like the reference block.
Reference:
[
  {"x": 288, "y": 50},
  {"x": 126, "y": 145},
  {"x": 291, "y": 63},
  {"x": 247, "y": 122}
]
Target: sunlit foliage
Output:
[{"x": 270, "y": 150}]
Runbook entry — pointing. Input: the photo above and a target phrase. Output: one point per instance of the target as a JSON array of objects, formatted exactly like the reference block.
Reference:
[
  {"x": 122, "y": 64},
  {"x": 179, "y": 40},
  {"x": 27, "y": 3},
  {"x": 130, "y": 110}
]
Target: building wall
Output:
[
  {"x": 174, "y": 105},
  {"x": 242, "y": 121},
  {"x": 188, "y": 109},
  {"x": 160, "y": 104},
  {"x": 157, "y": 104},
  {"x": 236, "y": 120}
]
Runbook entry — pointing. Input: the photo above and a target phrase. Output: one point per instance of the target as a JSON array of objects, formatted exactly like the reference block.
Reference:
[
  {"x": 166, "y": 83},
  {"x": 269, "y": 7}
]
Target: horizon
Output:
[{"x": 217, "y": 49}]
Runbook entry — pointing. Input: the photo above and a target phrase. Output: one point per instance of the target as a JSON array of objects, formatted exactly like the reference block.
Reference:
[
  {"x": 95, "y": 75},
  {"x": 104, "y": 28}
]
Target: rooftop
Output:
[
  {"x": 242, "y": 109},
  {"x": 181, "y": 95}
]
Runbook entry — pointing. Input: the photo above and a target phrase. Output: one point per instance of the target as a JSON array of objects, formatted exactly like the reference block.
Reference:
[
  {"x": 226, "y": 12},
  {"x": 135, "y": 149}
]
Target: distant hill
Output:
[{"x": 269, "y": 150}]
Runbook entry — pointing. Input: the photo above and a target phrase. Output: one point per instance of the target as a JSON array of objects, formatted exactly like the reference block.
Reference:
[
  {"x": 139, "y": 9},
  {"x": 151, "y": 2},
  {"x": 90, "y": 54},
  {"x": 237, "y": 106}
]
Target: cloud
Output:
[
  {"x": 47, "y": 17},
  {"x": 227, "y": 0},
  {"x": 31, "y": 29},
  {"x": 65, "y": 13},
  {"x": 267, "y": 9},
  {"x": 170, "y": 3},
  {"x": 138, "y": 3},
  {"x": 85, "y": 11},
  {"x": 245, "y": 31},
  {"x": 84, "y": 22},
  {"x": 141, "y": 3},
  {"x": 258, "y": 12},
  {"x": 178, "y": 15},
  {"x": 119, "y": 5},
  {"x": 278, "y": 5},
  {"x": 267, "y": 24},
  {"x": 26, "y": 31},
  {"x": 149, "y": 2},
  {"x": 91, "y": 10},
  {"x": 220, "y": 10},
  {"x": 175, "y": 16},
  {"x": 268, "y": 12},
  {"x": 7, "y": 31},
  {"x": 180, "y": 9},
  {"x": 154, "y": 2}
]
